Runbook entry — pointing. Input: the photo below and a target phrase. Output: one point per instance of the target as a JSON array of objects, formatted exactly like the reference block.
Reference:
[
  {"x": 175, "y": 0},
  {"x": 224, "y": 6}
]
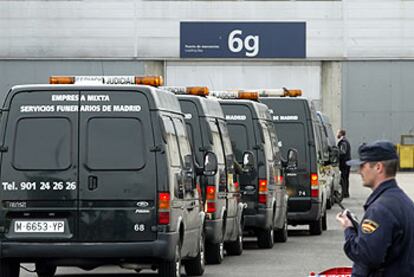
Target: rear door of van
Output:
[
  {"x": 39, "y": 166},
  {"x": 292, "y": 119},
  {"x": 241, "y": 129},
  {"x": 117, "y": 183}
]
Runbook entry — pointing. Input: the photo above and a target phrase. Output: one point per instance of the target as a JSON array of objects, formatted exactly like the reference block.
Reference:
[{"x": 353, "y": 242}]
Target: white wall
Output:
[
  {"x": 247, "y": 75},
  {"x": 150, "y": 29}
]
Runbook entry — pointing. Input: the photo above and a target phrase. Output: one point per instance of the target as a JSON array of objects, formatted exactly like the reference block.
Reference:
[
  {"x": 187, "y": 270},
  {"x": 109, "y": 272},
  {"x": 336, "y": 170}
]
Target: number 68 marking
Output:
[{"x": 139, "y": 227}]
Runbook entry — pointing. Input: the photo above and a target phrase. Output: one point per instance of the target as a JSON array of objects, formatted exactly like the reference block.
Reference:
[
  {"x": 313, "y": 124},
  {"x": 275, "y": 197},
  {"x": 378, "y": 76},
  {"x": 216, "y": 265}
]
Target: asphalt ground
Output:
[{"x": 300, "y": 255}]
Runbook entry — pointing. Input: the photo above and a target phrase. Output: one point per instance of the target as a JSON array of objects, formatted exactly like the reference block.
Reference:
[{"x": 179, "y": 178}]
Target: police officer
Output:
[
  {"x": 383, "y": 245},
  {"x": 344, "y": 156}
]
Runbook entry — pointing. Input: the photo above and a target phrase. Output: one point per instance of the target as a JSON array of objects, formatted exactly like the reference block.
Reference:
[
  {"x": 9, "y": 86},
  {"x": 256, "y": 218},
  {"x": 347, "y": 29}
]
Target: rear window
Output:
[
  {"x": 115, "y": 144},
  {"x": 292, "y": 135},
  {"x": 42, "y": 144},
  {"x": 239, "y": 139}
]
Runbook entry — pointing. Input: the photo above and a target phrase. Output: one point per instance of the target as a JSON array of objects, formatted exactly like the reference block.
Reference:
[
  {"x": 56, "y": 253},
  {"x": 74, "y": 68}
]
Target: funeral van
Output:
[
  {"x": 298, "y": 127},
  {"x": 255, "y": 145},
  {"x": 207, "y": 130},
  {"x": 95, "y": 171}
]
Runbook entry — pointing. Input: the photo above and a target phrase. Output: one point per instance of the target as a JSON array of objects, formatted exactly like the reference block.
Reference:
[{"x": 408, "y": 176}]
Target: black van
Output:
[
  {"x": 256, "y": 149},
  {"x": 333, "y": 166},
  {"x": 298, "y": 127},
  {"x": 98, "y": 174},
  {"x": 207, "y": 131}
]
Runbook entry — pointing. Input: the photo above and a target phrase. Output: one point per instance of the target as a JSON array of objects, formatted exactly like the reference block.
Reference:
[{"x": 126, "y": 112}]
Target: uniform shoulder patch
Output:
[{"x": 369, "y": 226}]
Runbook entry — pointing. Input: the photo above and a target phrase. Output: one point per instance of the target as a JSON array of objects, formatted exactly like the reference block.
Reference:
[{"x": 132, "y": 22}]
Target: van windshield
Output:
[
  {"x": 292, "y": 135},
  {"x": 239, "y": 141}
]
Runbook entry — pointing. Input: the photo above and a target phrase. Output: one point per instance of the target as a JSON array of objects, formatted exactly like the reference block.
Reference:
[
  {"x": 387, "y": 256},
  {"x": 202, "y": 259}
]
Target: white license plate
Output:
[{"x": 39, "y": 226}]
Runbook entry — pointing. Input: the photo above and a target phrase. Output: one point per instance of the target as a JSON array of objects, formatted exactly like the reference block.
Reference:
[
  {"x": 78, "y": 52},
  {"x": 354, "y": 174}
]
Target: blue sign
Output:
[{"x": 243, "y": 40}]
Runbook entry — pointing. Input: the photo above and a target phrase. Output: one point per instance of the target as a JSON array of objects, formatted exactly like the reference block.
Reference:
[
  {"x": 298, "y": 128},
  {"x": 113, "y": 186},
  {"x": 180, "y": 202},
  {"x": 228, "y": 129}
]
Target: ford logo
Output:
[{"x": 142, "y": 204}]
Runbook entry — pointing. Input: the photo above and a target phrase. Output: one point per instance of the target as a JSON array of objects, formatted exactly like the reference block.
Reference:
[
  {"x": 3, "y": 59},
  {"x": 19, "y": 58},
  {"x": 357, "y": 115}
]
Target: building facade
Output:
[{"x": 358, "y": 63}]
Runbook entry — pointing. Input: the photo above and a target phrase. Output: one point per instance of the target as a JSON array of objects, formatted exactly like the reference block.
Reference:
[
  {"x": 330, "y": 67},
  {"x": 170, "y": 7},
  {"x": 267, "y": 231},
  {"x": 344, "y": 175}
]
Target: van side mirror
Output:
[
  {"x": 292, "y": 158},
  {"x": 334, "y": 156},
  {"x": 248, "y": 162},
  {"x": 210, "y": 164},
  {"x": 188, "y": 161}
]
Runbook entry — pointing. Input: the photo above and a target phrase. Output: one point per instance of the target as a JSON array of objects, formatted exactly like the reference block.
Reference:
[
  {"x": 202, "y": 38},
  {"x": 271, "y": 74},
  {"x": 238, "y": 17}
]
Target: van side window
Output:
[
  {"x": 275, "y": 142},
  {"x": 184, "y": 144},
  {"x": 228, "y": 151},
  {"x": 268, "y": 143},
  {"x": 239, "y": 140},
  {"x": 115, "y": 143},
  {"x": 218, "y": 149},
  {"x": 172, "y": 145},
  {"x": 43, "y": 144}
]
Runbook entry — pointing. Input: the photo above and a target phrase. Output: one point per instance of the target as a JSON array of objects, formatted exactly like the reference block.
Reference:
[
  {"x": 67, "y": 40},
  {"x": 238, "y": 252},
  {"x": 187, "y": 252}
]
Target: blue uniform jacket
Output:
[{"x": 384, "y": 242}]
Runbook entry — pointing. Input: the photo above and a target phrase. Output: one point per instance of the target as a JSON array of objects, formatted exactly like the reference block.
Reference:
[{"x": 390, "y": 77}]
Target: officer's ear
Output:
[{"x": 380, "y": 167}]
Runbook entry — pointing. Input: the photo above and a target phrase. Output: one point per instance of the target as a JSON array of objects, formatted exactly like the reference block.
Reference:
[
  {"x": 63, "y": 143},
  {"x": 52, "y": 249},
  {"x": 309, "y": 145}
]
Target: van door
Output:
[
  {"x": 117, "y": 183},
  {"x": 233, "y": 194},
  {"x": 192, "y": 206},
  {"x": 39, "y": 160}
]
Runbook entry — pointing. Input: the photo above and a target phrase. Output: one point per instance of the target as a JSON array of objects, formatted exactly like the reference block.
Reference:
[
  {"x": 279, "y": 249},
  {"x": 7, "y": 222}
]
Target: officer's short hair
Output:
[
  {"x": 342, "y": 132},
  {"x": 390, "y": 167}
]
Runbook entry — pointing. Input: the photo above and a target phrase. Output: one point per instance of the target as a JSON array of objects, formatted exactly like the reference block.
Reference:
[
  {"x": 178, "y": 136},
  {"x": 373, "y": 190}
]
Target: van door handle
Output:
[{"x": 92, "y": 182}]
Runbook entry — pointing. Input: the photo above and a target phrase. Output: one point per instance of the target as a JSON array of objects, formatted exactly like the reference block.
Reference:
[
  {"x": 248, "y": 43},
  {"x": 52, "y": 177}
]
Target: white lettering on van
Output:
[
  {"x": 65, "y": 97},
  {"x": 66, "y": 108},
  {"x": 39, "y": 186},
  {"x": 37, "y": 108},
  {"x": 188, "y": 116},
  {"x": 90, "y": 108},
  {"x": 285, "y": 117},
  {"x": 98, "y": 98},
  {"x": 235, "y": 117},
  {"x": 126, "y": 108}
]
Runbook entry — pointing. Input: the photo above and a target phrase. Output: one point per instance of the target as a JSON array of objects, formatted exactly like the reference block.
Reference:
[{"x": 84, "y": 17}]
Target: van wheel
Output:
[
  {"x": 281, "y": 235},
  {"x": 171, "y": 268},
  {"x": 9, "y": 268},
  {"x": 324, "y": 222},
  {"x": 45, "y": 270},
  {"x": 265, "y": 238},
  {"x": 215, "y": 253},
  {"x": 315, "y": 227},
  {"x": 196, "y": 267},
  {"x": 235, "y": 248}
]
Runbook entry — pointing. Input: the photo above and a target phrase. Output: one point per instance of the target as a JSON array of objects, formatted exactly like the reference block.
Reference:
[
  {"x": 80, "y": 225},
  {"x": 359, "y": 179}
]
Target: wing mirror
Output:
[
  {"x": 248, "y": 162},
  {"x": 188, "y": 161},
  {"x": 210, "y": 164},
  {"x": 292, "y": 158}
]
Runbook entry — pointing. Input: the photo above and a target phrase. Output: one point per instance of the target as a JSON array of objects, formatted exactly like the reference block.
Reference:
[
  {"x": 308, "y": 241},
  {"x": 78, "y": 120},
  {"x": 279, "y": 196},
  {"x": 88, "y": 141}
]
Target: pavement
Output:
[{"x": 297, "y": 257}]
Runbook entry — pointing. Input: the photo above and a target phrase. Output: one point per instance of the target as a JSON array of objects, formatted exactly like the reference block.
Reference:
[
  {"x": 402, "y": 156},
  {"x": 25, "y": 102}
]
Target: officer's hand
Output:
[{"x": 344, "y": 220}]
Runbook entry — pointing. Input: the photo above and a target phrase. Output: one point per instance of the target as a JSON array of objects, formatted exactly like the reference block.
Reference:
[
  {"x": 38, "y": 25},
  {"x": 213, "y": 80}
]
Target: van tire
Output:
[
  {"x": 215, "y": 253},
  {"x": 235, "y": 248},
  {"x": 324, "y": 222},
  {"x": 265, "y": 238},
  {"x": 315, "y": 227},
  {"x": 9, "y": 268},
  {"x": 196, "y": 266},
  {"x": 45, "y": 270},
  {"x": 281, "y": 235},
  {"x": 171, "y": 268}
]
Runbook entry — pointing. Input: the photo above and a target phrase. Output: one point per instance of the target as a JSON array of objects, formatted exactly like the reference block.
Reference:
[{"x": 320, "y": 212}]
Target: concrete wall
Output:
[
  {"x": 14, "y": 72},
  {"x": 331, "y": 90},
  {"x": 378, "y": 100},
  {"x": 248, "y": 75},
  {"x": 150, "y": 29}
]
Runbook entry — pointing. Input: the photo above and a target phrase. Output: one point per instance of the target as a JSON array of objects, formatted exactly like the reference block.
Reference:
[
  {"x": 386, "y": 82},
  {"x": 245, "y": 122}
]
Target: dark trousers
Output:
[{"x": 345, "y": 180}]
